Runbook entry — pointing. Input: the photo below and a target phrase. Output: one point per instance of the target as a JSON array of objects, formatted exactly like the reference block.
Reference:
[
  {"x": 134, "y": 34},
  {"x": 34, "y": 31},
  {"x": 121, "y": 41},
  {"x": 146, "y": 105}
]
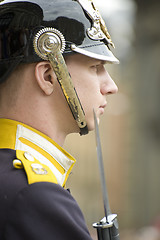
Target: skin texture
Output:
[
  {"x": 92, "y": 83},
  {"x": 32, "y": 95}
]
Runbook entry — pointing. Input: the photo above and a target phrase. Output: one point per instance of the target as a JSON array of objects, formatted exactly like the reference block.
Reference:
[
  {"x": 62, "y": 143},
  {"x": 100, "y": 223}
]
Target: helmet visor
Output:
[{"x": 100, "y": 52}]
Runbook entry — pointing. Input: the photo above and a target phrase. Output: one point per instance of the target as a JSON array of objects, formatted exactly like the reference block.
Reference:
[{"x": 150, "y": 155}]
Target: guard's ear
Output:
[{"x": 45, "y": 77}]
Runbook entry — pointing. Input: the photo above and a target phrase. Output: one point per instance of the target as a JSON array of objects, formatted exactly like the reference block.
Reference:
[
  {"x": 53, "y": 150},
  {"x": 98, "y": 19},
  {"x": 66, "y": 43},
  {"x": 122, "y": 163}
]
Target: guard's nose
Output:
[{"x": 108, "y": 86}]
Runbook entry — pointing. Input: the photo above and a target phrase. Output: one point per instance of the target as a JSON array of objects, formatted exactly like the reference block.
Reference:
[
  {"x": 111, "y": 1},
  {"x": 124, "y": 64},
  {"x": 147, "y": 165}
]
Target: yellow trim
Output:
[
  {"x": 8, "y": 130},
  {"x": 31, "y": 175},
  {"x": 10, "y": 127},
  {"x": 8, "y": 134},
  {"x": 44, "y": 153}
]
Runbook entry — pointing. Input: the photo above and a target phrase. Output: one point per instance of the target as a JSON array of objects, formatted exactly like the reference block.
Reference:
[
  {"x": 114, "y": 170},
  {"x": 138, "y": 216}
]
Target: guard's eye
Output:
[{"x": 95, "y": 68}]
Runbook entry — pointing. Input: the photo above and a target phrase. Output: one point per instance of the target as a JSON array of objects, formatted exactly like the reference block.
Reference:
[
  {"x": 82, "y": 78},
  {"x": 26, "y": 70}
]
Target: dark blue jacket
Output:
[{"x": 37, "y": 211}]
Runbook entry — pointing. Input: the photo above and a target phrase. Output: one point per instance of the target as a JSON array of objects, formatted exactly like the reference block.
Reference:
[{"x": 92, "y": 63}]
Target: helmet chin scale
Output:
[{"x": 49, "y": 44}]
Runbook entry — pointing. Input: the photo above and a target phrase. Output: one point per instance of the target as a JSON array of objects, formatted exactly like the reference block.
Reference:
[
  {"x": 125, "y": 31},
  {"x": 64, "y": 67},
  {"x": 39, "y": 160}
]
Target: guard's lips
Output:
[{"x": 104, "y": 105}]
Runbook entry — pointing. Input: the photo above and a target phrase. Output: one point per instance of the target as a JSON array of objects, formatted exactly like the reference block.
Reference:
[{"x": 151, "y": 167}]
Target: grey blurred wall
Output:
[{"x": 144, "y": 70}]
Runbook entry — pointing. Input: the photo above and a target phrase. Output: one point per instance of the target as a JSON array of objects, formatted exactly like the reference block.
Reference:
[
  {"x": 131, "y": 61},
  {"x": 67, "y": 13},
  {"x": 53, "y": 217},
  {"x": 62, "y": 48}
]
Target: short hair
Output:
[{"x": 9, "y": 89}]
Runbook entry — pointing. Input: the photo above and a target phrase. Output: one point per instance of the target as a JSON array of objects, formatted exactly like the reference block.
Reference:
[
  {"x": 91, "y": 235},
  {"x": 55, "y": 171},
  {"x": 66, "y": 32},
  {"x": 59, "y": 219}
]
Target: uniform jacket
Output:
[{"x": 33, "y": 201}]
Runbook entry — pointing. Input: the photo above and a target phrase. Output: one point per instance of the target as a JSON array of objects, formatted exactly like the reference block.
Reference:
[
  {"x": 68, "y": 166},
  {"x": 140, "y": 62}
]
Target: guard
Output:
[{"x": 52, "y": 76}]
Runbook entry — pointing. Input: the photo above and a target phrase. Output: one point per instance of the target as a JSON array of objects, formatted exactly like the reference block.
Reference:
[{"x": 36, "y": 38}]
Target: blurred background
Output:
[{"x": 129, "y": 129}]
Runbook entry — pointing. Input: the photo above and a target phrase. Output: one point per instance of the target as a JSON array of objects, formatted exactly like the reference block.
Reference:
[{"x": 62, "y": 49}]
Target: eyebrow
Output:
[
  {"x": 98, "y": 61},
  {"x": 103, "y": 62}
]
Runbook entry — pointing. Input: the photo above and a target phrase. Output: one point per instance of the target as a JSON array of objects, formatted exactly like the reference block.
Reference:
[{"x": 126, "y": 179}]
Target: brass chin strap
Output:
[
  {"x": 49, "y": 44},
  {"x": 57, "y": 61}
]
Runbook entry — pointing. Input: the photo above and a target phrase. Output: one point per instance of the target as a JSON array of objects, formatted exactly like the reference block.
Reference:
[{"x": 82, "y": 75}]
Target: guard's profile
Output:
[{"x": 52, "y": 76}]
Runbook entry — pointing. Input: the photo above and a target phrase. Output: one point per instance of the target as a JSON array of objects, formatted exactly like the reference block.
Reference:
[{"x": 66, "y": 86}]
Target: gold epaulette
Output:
[{"x": 35, "y": 170}]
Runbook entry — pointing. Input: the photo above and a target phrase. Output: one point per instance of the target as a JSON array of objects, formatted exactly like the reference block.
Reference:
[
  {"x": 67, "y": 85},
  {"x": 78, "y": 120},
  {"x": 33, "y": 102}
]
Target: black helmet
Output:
[{"x": 74, "y": 25}]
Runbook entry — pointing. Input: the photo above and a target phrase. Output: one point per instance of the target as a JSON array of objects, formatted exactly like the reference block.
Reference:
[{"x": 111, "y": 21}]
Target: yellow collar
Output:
[{"x": 18, "y": 136}]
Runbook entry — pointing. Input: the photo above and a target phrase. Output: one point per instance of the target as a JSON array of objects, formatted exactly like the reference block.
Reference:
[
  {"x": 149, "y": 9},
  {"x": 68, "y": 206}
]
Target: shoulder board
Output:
[{"x": 35, "y": 170}]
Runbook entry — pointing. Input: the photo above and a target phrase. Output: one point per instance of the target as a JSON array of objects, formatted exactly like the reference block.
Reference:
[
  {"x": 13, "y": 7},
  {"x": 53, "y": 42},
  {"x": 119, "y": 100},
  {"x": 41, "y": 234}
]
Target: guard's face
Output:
[{"x": 92, "y": 83}]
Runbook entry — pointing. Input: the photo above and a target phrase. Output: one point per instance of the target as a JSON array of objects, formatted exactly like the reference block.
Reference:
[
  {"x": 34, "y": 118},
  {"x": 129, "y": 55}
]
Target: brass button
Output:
[{"x": 17, "y": 164}]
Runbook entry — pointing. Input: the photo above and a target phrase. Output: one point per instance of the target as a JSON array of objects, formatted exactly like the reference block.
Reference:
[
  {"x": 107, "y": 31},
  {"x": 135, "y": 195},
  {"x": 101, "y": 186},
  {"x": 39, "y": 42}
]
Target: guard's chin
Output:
[{"x": 91, "y": 126}]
